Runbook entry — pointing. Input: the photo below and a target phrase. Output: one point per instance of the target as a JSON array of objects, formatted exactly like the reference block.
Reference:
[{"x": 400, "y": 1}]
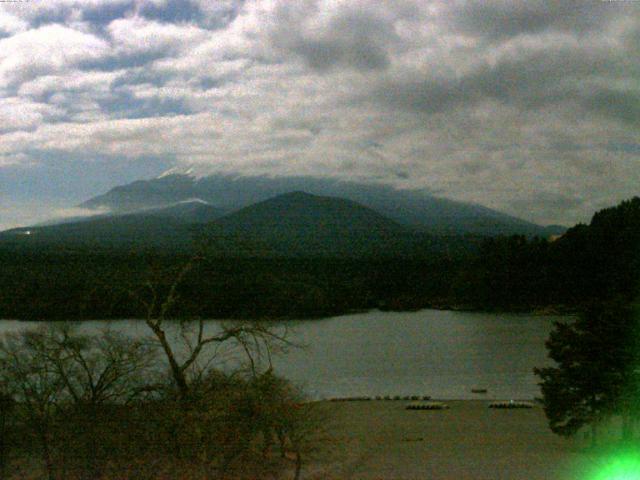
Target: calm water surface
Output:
[{"x": 431, "y": 352}]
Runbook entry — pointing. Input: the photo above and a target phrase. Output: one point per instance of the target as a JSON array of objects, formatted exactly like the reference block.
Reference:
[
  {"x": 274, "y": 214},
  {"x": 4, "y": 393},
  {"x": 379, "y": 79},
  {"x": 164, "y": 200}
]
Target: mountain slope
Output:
[
  {"x": 165, "y": 228},
  {"x": 190, "y": 211},
  {"x": 412, "y": 208},
  {"x": 301, "y": 224}
]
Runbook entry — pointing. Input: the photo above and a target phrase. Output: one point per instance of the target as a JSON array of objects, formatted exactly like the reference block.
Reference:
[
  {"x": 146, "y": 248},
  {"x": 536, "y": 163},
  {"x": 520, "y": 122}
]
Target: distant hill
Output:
[
  {"x": 301, "y": 224},
  {"x": 416, "y": 209}
]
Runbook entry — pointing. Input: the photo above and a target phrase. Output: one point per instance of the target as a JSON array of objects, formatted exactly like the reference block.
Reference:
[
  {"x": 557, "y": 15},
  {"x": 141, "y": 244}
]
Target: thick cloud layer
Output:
[{"x": 529, "y": 107}]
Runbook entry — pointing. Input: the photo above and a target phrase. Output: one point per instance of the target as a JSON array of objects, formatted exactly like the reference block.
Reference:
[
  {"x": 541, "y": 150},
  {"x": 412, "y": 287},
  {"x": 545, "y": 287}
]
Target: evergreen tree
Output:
[{"x": 597, "y": 372}]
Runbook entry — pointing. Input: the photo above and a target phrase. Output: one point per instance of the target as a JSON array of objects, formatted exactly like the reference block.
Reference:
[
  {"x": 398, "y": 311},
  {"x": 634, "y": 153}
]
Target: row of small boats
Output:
[
  {"x": 443, "y": 406},
  {"x": 424, "y": 402},
  {"x": 387, "y": 398},
  {"x": 396, "y": 397}
]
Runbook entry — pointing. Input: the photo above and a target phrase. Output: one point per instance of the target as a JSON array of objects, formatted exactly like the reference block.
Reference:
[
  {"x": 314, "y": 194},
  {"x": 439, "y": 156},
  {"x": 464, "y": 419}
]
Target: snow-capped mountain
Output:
[{"x": 417, "y": 209}]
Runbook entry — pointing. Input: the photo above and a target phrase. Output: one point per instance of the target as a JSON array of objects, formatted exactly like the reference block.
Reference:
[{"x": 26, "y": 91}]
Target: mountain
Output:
[
  {"x": 416, "y": 209},
  {"x": 300, "y": 224},
  {"x": 292, "y": 225},
  {"x": 165, "y": 228},
  {"x": 189, "y": 211}
]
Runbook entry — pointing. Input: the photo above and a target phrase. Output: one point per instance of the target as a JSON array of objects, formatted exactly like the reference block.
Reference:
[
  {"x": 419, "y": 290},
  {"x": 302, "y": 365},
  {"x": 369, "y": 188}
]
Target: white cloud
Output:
[
  {"x": 71, "y": 10},
  {"x": 46, "y": 50},
  {"x": 75, "y": 80},
  {"x": 17, "y": 113},
  {"x": 10, "y": 24},
  {"x": 19, "y": 214},
  {"x": 16, "y": 214},
  {"x": 72, "y": 212},
  {"x": 136, "y": 35}
]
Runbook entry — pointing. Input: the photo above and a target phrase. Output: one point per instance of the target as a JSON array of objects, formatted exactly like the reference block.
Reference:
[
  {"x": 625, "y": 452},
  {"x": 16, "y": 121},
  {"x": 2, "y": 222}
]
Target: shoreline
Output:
[{"x": 548, "y": 311}]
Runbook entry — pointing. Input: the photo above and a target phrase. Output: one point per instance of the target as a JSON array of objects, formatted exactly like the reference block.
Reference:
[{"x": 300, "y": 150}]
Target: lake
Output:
[{"x": 440, "y": 353}]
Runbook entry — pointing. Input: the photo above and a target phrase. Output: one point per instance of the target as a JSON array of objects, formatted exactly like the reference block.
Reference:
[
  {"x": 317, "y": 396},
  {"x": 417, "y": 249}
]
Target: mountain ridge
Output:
[
  {"x": 417, "y": 209},
  {"x": 292, "y": 225}
]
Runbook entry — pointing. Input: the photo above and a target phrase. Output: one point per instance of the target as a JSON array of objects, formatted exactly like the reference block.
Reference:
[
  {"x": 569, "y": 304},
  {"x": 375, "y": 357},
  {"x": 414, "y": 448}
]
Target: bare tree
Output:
[
  {"x": 296, "y": 422},
  {"x": 184, "y": 352},
  {"x": 100, "y": 368},
  {"x": 220, "y": 420},
  {"x": 35, "y": 385},
  {"x": 106, "y": 369},
  {"x": 67, "y": 385}
]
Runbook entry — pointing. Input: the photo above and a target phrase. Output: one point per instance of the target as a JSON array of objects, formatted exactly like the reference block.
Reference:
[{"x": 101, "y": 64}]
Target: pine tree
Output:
[{"x": 597, "y": 372}]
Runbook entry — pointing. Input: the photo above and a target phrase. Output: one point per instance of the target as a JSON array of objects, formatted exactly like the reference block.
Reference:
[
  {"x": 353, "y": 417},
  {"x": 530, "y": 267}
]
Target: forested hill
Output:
[
  {"x": 300, "y": 224},
  {"x": 589, "y": 263}
]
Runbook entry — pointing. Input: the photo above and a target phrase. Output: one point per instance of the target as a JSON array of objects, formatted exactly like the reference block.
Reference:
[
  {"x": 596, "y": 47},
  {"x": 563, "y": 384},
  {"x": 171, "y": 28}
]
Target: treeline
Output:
[
  {"x": 588, "y": 263},
  {"x": 104, "y": 285},
  {"x": 595, "y": 378},
  {"x": 104, "y": 406}
]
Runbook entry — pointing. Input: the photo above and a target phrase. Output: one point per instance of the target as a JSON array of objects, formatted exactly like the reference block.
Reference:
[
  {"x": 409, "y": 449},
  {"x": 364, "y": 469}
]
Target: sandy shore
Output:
[{"x": 383, "y": 440}]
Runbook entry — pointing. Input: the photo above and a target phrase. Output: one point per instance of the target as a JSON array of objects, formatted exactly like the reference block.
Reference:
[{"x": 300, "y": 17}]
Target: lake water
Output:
[{"x": 430, "y": 352}]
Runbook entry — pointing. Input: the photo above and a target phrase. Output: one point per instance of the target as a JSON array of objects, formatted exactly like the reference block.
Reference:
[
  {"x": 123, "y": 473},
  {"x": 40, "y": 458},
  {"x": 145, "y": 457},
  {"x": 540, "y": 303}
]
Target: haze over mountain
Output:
[
  {"x": 169, "y": 228},
  {"x": 416, "y": 209}
]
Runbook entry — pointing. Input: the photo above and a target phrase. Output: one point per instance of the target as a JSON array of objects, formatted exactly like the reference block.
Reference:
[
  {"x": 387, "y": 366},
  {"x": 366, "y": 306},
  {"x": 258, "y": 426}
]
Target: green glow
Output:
[{"x": 621, "y": 466}]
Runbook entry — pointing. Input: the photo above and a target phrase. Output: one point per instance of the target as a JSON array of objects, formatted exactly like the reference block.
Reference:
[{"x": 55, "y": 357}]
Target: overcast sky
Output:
[{"x": 529, "y": 107}]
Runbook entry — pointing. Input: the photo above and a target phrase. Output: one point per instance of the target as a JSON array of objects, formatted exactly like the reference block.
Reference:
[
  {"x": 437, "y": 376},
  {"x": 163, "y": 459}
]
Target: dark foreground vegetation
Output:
[
  {"x": 106, "y": 406},
  {"x": 596, "y": 376},
  {"x": 588, "y": 263}
]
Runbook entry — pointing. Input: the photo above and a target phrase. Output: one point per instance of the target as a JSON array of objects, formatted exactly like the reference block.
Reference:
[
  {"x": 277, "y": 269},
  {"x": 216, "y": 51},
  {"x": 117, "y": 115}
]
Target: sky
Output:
[{"x": 529, "y": 107}]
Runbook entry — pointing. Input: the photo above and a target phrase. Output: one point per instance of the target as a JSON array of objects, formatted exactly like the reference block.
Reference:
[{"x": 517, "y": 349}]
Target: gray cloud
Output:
[
  {"x": 348, "y": 38},
  {"x": 620, "y": 104},
  {"x": 499, "y": 19},
  {"x": 530, "y": 76},
  {"x": 348, "y": 42}
]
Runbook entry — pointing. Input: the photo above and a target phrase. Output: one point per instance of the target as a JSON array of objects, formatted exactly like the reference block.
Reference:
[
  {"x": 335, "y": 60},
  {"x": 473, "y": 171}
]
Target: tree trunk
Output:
[
  {"x": 298, "y": 466},
  {"x": 282, "y": 441},
  {"x": 46, "y": 452},
  {"x": 3, "y": 452},
  {"x": 177, "y": 373},
  {"x": 94, "y": 460},
  {"x": 6, "y": 404}
]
